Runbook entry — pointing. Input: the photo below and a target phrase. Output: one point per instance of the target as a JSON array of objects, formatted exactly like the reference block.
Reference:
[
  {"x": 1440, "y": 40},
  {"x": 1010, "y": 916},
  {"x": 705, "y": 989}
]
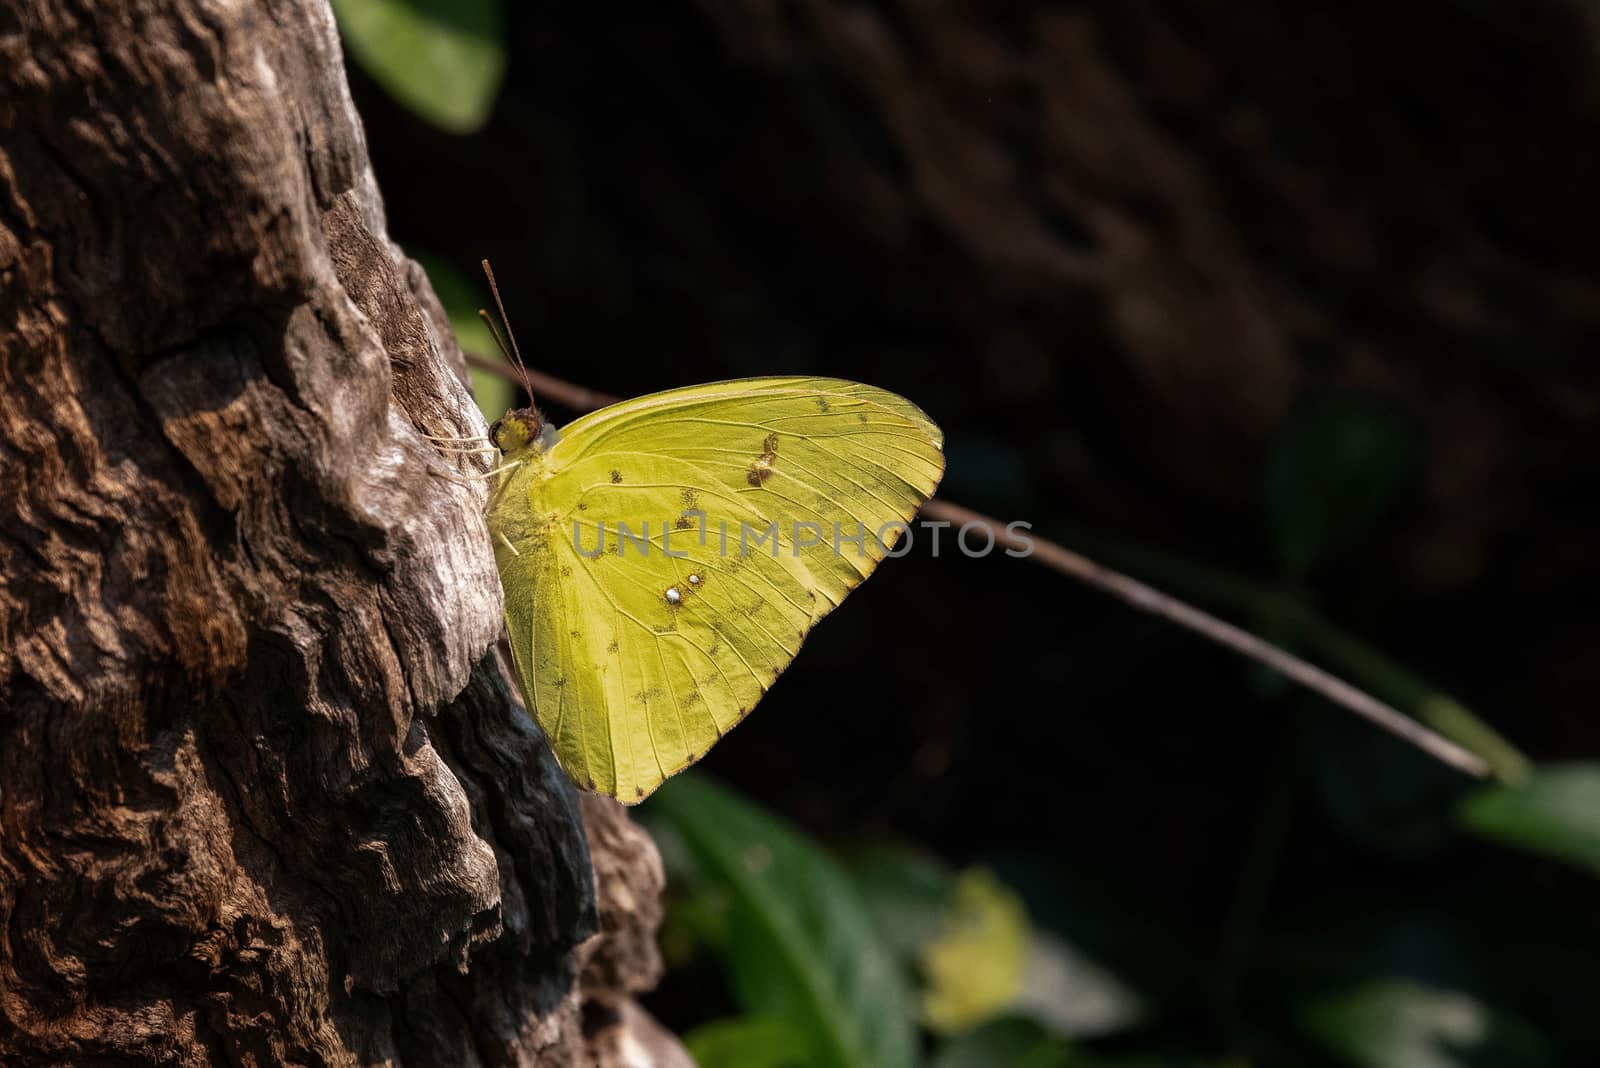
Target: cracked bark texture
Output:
[{"x": 265, "y": 795}]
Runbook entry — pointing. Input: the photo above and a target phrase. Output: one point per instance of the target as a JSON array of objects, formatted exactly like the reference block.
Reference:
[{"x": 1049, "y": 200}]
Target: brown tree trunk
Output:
[{"x": 265, "y": 795}]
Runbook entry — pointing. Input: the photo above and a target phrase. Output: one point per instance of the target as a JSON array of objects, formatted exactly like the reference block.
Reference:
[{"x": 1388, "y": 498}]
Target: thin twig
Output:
[
  {"x": 1338, "y": 650},
  {"x": 545, "y": 387},
  {"x": 1126, "y": 589},
  {"x": 1146, "y": 599}
]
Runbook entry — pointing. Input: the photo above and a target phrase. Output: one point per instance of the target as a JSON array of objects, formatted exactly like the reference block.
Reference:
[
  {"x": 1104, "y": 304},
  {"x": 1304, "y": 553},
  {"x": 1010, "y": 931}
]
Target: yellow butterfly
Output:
[{"x": 663, "y": 558}]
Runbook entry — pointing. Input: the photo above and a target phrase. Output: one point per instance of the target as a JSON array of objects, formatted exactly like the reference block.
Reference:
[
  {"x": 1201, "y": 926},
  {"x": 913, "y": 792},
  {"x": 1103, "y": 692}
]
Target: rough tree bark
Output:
[{"x": 265, "y": 796}]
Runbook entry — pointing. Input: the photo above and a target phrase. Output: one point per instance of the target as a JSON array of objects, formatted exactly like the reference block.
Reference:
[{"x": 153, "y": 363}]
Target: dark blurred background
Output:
[{"x": 1290, "y": 309}]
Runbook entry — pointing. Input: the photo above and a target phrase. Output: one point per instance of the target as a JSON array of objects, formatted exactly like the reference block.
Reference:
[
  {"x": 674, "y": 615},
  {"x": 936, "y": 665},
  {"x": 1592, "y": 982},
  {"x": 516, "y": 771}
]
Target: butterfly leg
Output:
[
  {"x": 466, "y": 448},
  {"x": 448, "y": 438},
  {"x": 470, "y": 480}
]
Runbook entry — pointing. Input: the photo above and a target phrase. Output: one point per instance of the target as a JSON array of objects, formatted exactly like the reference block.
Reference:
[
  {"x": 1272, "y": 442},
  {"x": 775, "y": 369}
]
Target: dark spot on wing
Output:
[
  {"x": 582, "y": 507},
  {"x": 690, "y": 498},
  {"x": 638, "y": 791},
  {"x": 761, "y": 467},
  {"x": 612, "y": 647},
  {"x": 616, "y": 477},
  {"x": 861, "y": 417},
  {"x": 822, "y": 404},
  {"x": 683, "y": 523}
]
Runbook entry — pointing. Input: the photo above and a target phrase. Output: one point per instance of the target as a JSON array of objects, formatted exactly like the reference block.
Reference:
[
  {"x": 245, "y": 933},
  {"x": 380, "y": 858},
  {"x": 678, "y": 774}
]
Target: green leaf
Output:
[
  {"x": 443, "y": 59},
  {"x": 912, "y": 896},
  {"x": 905, "y": 891},
  {"x": 803, "y": 946},
  {"x": 1555, "y": 812},
  {"x": 976, "y": 965},
  {"x": 495, "y": 395},
  {"x": 1073, "y": 995},
  {"x": 1017, "y": 1042},
  {"x": 1399, "y": 1023},
  {"x": 1333, "y": 478},
  {"x": 746, "y": 1042}
]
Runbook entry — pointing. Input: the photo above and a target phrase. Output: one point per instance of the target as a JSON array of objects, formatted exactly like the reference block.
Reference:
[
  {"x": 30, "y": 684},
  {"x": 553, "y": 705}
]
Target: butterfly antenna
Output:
[
  {"x": 494, "y": 332},
  {"x": 513, "y": 353}
]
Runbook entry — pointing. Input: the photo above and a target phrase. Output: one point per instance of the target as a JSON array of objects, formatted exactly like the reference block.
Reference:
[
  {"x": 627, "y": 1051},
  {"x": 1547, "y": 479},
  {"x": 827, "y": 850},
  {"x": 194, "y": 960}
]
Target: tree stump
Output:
[{"x": 265, "y": 794}]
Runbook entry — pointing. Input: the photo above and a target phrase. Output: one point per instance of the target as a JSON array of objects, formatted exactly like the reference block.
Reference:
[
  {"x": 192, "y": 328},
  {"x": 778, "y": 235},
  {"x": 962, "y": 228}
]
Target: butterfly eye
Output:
[{"x": 494, "y": 431}]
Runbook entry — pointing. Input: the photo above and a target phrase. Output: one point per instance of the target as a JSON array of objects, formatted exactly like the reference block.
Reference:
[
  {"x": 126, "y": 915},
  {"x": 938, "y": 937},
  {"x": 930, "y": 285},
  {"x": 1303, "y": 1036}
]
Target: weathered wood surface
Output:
[{"x": 265, "y": 797}]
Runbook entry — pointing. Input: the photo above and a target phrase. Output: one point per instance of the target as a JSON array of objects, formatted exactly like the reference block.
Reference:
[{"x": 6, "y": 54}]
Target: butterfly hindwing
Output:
[{"x": 664, "y": 560}]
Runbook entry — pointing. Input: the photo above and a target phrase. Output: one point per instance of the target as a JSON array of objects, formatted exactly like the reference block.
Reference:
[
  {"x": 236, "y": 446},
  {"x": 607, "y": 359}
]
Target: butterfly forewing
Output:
[{"x": 675, "y": 549}]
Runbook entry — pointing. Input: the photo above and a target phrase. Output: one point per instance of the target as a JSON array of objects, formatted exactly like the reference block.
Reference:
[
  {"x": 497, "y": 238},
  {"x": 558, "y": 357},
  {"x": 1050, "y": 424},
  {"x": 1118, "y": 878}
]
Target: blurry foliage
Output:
[
  {"x": 975, "y": 964},
  {"x": 816, "y": 950},
  {"x": 1556, "y": 813},
  {"x": 827, "y": 952},
  {"x": 1031, "y": 962},
  {"x": 748, "y": 1042},
  {"x": 800, "y": 944},
  {"x": 827, "y": 959},
  {"x": 1403, "y": 1023},
  {"x": 815, "y": 971},
  {"x": 1013, "y": 1042},
  {"x": 443, "y": 59}
]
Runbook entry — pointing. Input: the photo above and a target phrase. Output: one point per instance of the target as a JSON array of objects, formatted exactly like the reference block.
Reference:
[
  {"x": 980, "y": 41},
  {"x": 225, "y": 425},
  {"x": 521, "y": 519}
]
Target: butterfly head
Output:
[{"x": 519, "y": 430}]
